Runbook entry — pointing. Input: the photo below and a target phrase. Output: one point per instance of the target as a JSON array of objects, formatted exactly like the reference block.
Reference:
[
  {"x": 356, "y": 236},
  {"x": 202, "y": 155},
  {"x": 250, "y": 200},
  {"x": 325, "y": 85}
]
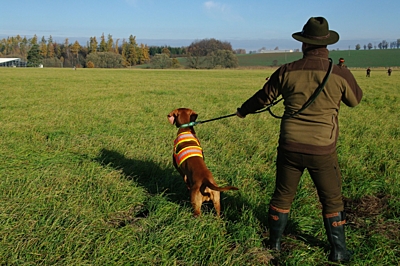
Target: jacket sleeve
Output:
[
  {"x": 263, "y": 97},
  {"x": 352, "y": 93}
]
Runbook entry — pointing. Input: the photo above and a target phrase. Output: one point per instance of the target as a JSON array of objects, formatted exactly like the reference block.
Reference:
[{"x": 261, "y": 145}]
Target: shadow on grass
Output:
[
  {"x": 156, "y": 180},
  {"x": 147, "y": 174},
  {"x": 237, "y": 203}
]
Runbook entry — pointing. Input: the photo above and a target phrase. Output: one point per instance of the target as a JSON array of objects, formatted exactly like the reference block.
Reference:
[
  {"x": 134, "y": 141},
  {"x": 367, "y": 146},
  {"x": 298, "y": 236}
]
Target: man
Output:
[
  {"x": 308, "y": 139},
  {"x": 368, "y": 72},
  {"x": 341, "y": 62}
]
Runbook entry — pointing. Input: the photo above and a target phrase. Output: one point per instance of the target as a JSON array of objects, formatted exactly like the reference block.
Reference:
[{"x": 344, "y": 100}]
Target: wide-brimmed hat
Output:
[{"x": 316, "y": 31}]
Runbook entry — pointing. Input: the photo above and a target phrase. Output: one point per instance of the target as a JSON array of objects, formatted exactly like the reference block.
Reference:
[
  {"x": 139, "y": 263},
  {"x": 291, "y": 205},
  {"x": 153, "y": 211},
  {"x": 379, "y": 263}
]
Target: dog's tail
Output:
[{"x": 214, "y": 187}]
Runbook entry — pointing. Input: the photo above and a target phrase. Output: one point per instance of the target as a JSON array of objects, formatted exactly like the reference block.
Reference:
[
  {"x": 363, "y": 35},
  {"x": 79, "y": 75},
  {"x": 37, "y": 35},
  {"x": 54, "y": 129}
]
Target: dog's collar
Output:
[{"x": 191, "y": 124}]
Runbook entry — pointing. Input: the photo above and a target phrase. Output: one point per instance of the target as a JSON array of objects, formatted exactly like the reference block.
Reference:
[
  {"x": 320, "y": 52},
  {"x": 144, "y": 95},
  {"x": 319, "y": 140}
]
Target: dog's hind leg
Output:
[
  {"x": 196, "y": 200},
  {"x": 215, "y": 197}
]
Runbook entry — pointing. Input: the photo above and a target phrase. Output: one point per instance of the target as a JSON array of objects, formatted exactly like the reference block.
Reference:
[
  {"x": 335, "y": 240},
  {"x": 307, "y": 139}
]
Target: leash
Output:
[
  {"x": 191, "y": 124},
  {"x": 268, "y": 108}
]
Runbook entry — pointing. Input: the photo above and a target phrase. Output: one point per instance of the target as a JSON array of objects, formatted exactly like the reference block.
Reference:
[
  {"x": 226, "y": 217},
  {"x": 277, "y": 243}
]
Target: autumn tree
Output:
[
  {"x": 75, "y": 48},
  {"x": 33, "y": 40},
  {"x": 206, "y": 46},
  {"x": 43, "y": 47},
  {"x": 116, "y": 49},
  {"x": 205, "y": 53},
  {"x": 160, "y": 61},
  {"x": 175, "y": 63},
  {"x": 139, "y": 55},
  {"x": 11, "y": 47},
  {"x": 125, "y": 53},
  {"x": 90, "y": 64},
  {"x": 103, "y": 44},
  {"x": 195, "y": 61},
  {"x": 166, "y": 51},
  {"x": 57, "y": 50},
  {"x": 222, "y": 58},
  {"x": 129, "y": 52},
  {"x": 93, "y": 45},
  {"x": 65, "y": 48},
  {"x": 145, "y": 56},
  {"x": 23, "y": 47},
  {"x": 110, "y": 43},
  {"x": 66, "y": 54},
  {"x": 104, "y": 60},
  {"x": 50, "y": 48}
]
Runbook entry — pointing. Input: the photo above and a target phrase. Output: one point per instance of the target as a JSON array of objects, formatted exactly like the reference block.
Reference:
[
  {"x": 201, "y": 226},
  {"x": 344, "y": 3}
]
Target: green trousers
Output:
[{"x": 324, "y": 171}]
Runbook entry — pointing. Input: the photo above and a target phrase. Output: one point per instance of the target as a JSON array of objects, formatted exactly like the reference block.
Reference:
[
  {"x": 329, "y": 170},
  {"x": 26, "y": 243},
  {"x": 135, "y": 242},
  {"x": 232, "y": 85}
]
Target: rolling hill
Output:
[{"x": 354, "y": 58}]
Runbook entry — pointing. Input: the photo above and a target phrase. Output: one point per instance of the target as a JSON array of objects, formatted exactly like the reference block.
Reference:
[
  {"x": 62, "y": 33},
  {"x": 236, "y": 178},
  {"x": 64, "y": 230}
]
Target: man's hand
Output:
[{"x": 239, "y": 114}]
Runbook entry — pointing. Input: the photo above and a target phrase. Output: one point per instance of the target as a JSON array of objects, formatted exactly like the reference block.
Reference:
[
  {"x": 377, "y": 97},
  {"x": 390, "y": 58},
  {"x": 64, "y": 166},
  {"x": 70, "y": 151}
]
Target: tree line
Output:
[
  {"x": 109, "y": 53},
  {"x": 381, "y": 45}
]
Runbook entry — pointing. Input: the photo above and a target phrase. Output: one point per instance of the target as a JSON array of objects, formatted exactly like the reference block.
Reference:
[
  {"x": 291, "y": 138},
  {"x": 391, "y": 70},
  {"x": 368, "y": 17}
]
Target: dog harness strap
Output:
[
  {"x": 188, "y": 152},
  {"x": 184, "y": 137}
]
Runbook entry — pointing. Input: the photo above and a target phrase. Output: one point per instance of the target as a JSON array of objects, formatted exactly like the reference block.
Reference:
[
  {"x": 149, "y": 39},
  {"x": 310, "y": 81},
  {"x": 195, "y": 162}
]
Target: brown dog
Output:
[{"x": 188, "y": 160}]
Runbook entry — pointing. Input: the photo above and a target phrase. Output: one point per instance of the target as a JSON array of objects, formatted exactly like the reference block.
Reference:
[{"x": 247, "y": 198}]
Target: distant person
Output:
[
  {"x": 308, "y": 138},
  {"x": 389, "y": 71},
  {"x": 368, "y": 72},
  {"x": 341, "y": 62}
]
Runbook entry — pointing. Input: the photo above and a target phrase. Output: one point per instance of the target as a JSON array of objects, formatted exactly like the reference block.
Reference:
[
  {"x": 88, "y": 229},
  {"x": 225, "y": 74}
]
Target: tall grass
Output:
[{"x": 87, "y": 179}]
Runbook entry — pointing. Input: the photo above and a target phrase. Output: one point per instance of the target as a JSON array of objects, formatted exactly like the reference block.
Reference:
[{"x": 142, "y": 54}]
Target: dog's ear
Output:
[
  {"x": 171, "y": 119},
  {"x": 172, "y": 116}
]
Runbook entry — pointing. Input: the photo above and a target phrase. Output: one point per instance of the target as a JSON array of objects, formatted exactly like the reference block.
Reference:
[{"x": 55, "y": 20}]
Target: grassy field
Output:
[
  {"x": 354, "y": 59},
  {"x": 87, "y": 178}
]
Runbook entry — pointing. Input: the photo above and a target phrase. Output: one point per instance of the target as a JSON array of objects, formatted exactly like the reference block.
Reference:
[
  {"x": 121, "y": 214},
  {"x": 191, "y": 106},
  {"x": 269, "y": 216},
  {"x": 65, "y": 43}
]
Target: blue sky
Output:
[{"x": 249, "y": 24}]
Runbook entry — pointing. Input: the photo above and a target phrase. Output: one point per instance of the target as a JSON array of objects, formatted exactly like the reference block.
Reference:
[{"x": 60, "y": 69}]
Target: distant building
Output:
[
  {"x": 12, "y": 62},
  {"x": 275, "y": 51}
]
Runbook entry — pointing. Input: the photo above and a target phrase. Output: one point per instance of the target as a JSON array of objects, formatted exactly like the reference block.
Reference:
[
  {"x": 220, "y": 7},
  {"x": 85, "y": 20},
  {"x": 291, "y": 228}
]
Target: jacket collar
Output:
[{"x": 318, "y": 52}]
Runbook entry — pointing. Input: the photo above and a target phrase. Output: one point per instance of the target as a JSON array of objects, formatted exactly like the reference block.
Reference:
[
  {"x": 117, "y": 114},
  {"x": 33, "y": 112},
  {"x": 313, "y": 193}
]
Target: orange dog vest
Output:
[{"x": 189, "y": 151}]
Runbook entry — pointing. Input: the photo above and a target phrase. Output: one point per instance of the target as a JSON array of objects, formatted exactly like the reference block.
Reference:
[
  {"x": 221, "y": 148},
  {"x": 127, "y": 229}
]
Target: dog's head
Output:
[{"x": 181, "y": 116}]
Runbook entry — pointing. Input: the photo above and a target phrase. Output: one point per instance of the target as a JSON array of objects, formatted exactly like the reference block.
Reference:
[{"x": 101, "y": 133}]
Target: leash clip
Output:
[{"x": 191, "y": 124}]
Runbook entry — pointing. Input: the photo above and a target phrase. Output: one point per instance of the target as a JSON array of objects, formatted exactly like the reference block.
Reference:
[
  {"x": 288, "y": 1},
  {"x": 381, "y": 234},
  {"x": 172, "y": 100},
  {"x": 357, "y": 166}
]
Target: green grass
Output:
[
  {"x": 87, "y": 178},
  {"x": 354, "y": 59}
]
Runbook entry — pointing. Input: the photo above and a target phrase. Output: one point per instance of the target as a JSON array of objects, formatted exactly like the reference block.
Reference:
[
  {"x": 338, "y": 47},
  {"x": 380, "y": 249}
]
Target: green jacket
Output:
[{"x": 315, "y": 130}]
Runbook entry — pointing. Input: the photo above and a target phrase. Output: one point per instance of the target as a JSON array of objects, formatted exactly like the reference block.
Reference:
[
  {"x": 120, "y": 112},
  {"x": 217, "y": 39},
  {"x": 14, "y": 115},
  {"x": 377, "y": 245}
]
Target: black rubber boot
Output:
[
  {"x": 277, "y": 220},
  {"x": 334, "y": 226}
]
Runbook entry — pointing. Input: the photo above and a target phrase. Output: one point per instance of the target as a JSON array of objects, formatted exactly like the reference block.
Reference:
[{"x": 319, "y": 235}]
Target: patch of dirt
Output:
[
  {"x": 367, "y": 206},
  {"x": 124, "y": 218},
  {"x": 369, "y": 213}
]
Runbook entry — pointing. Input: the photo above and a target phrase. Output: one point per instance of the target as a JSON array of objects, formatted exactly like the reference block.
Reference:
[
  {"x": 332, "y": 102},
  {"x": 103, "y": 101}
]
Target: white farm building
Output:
[{"x": 12, "y": 62}]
